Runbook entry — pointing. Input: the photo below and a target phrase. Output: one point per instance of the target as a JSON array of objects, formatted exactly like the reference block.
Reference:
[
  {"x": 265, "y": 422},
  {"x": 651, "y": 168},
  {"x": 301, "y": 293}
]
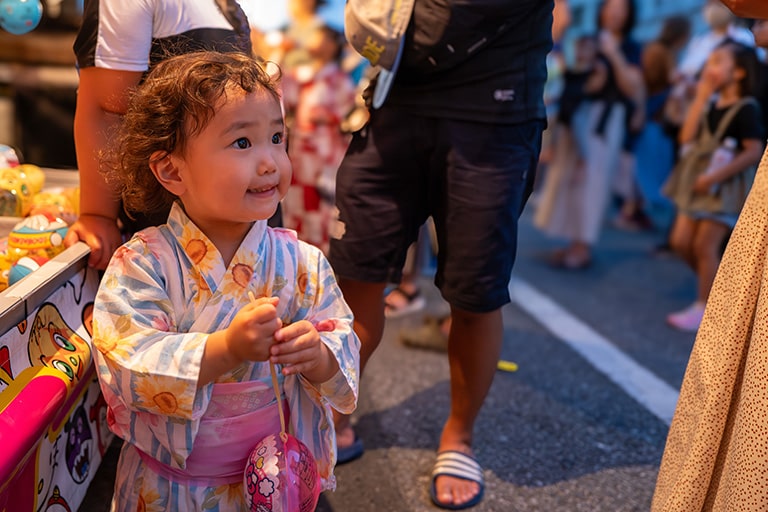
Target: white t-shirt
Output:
[{"x": 122, "y": 34}]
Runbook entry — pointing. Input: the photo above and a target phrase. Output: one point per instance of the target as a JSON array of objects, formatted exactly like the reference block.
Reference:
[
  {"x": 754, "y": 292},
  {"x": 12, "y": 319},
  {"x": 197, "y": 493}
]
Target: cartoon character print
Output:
[
  {"x": 79, "y": 449},
  {"x": 97, "y": 415},
  {"x": 6, "y": 373},
  {"x": 57, "y": 503},
  {"x": 54, "y": 344},
  {"x": 48, "y": 457}
]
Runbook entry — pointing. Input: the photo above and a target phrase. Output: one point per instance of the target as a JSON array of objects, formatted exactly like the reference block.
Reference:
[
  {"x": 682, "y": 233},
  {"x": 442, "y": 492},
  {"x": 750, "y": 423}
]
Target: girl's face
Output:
[
  {"x": 760, "y": 29},
  {"x": 614, "y": 15},
  {"x": 721, "y": 69},
  {"x": 236, "y": 170},
  {"x": 585, "y": 51}
]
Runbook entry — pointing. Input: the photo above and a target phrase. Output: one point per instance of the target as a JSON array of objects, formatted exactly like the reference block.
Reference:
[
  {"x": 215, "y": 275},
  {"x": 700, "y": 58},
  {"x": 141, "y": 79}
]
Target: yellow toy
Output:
[
  {"x": 41, "y": 234},
  {"x": 58, "y": 204}
]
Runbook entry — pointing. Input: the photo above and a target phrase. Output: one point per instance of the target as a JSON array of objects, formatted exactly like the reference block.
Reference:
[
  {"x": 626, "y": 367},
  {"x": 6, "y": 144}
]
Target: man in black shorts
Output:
[{"x": 458, "y": 139}]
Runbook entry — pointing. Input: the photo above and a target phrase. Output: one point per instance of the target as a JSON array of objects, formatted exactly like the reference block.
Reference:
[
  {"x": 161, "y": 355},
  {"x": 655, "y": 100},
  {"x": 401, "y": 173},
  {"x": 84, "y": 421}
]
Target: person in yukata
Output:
[
  {"x": 183, "y": 355},
  {"x": 317, "y": 96}
]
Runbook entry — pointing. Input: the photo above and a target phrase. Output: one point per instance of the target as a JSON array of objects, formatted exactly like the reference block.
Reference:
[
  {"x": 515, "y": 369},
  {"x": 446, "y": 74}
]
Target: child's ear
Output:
[{"x": 164, "y": 167}]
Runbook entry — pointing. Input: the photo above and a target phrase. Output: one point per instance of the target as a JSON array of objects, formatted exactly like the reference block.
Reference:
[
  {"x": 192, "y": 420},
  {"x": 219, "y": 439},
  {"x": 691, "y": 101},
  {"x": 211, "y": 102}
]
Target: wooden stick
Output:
[{"x": 275, "y": 385}]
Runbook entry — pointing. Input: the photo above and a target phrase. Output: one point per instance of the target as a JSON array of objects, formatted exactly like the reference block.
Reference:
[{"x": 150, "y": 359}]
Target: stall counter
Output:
[{"x": 53, "y": 428}]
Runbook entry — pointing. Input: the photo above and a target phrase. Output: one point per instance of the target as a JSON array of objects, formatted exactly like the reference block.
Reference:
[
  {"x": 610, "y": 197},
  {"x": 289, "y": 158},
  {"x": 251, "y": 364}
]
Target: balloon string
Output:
[{"x": 275, "y": 385}]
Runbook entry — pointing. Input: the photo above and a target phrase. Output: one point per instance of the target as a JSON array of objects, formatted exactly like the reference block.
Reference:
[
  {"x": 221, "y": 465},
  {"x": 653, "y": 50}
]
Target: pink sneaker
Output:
[{"x": 689, "y": 319}]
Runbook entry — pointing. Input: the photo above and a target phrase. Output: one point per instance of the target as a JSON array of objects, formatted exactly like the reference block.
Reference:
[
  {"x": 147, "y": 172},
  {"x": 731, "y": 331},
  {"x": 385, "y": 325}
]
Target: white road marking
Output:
[{"x": 638, "y": 382}]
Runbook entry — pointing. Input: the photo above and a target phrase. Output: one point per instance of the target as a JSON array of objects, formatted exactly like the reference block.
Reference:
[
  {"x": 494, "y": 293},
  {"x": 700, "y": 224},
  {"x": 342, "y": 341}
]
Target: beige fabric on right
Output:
[{"x": 716, "y": 456}]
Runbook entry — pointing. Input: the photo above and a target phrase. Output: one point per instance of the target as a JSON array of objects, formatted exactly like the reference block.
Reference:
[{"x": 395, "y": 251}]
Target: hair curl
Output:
[{"x": 175, "y": 102}]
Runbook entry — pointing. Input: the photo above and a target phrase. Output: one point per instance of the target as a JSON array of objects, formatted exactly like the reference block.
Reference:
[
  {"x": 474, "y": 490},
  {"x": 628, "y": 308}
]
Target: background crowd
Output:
[{"x": 633, "y": 95}]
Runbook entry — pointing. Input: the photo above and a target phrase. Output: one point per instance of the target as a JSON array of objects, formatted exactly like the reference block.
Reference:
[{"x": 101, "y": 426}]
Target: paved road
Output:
[{"x": 579, "y": 427}]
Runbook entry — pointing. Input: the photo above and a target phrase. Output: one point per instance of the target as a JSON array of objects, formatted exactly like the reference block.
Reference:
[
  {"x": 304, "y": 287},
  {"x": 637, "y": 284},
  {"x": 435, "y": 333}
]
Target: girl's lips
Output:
[{"x": 262, "y": 190}]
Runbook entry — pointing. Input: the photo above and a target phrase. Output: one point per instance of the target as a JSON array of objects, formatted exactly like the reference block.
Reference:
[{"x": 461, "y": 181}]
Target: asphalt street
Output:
[{"x": 580, "y": 426}]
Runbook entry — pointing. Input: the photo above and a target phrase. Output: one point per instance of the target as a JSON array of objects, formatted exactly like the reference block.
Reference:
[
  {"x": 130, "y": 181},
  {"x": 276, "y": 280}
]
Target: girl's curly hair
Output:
[{"x": 176, "y": 101}]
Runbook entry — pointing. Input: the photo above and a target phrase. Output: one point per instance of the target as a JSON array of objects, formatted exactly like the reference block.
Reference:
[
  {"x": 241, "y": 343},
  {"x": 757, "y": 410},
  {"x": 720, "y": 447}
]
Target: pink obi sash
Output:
[{"x": 239, "y": 415}]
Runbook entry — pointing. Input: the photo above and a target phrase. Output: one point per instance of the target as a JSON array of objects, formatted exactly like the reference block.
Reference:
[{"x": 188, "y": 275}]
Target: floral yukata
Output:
[
  {"x": 319, "y": 102},
  {"x": 162, "y": 294}
]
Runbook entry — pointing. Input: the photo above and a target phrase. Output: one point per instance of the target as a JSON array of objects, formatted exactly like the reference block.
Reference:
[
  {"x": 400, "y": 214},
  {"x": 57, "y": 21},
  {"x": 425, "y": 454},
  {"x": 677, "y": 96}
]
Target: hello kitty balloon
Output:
[{"x": 281, "y": 476}]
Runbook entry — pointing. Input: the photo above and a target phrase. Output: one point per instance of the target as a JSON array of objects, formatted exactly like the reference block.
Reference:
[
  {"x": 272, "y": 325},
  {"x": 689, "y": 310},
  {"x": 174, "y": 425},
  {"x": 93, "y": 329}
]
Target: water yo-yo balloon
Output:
[
  {"x": 281, "y": 473},
  {"x": 281, "y": 476},
  {"x": 20, "y": 16}
]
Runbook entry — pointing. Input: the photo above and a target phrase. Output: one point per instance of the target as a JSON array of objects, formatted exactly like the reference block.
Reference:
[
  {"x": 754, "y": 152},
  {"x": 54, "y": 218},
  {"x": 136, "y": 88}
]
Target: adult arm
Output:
[
  {"x": 561, "y": 19},
  {"x": 102, "y": 98},
  {"x": 748, "y": 8}
]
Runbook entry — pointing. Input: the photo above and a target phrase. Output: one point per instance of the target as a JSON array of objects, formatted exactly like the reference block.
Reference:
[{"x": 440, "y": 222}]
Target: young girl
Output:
[
  {"x": 704, "y": 217},
  {"x": 183, "y": 356}
]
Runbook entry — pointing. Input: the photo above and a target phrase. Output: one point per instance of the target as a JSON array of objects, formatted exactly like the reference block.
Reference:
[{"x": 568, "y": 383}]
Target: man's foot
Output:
[
  {"x": 457, "y": 480},
  {"x": 348, "y": 446}
]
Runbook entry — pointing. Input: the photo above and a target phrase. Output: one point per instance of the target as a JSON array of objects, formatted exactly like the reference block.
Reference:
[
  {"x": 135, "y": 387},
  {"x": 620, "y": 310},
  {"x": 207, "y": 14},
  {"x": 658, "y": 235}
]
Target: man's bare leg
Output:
[{"x": 474, "y": 347}]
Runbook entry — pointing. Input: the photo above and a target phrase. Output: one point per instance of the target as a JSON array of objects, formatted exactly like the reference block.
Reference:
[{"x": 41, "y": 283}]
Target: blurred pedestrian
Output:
[
  {"x": 714, "y": 457},
  {"x": 655, "y": 148},
  {"x": 303, "y": 20},
  {"x": 709, "y": 192},
  {"x": 457, "y": 138},
  {"x": 318, "y": 96},
  {"x": 721, "y": 24},
  {"x": 576, "y": 208},
  {"x": 581, "y": 79}
]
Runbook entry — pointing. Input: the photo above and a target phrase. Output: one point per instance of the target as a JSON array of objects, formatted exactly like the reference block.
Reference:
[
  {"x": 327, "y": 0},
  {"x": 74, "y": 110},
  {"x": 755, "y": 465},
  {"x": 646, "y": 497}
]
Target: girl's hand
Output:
[
  {"x": 609, "y": 44},
  {"x": 300, "y": 350},
  {"x": 252, "y": 331},
  {"x": 703, "y": 184},
  {"x": 705, "y": 87}
]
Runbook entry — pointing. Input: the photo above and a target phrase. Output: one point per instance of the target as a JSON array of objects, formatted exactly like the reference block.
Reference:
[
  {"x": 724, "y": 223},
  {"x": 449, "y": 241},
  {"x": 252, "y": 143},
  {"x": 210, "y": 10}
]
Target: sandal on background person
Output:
[
  {"x": 431, "y": 335},
  {"x": 402, "y": 301}
]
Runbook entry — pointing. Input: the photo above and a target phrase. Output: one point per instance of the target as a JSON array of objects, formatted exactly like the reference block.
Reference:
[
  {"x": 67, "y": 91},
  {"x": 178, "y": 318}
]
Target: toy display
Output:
[
  {"x": 8, "y": 157},
  {"x": 18, "y": 185},
  {"x": 62, "y": 203},
  {"x": 41, "y": 217},
  {"x": 40, "y": 235},
  {"x": 20, "y": 16},
  {"x": 25, "y": 266}
]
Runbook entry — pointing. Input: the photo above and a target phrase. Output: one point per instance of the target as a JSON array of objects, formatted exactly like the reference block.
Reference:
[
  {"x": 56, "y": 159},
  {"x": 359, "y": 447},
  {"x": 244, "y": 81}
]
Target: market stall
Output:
[{"x": 53, "y": 429}]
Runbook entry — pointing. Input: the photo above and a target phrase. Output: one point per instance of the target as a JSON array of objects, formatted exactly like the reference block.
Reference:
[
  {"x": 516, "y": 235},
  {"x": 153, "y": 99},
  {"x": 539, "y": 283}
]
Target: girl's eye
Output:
[
  {"x": 242, "y": 143},
  {"x": 277, "y": 138}
]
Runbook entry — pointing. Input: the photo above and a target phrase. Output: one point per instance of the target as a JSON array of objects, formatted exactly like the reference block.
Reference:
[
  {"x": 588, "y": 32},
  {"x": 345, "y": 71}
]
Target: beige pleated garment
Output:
[{"x": 716, "y": 456}]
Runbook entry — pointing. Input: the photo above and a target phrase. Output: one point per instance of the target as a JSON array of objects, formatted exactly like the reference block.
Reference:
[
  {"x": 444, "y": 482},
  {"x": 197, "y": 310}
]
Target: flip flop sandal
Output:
[
  {"x": 351, "y": 452},
  {"x": 459, "y": 465},
  {"x": 429, "y": 335},
  {"x": 413, "y": 302}
]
